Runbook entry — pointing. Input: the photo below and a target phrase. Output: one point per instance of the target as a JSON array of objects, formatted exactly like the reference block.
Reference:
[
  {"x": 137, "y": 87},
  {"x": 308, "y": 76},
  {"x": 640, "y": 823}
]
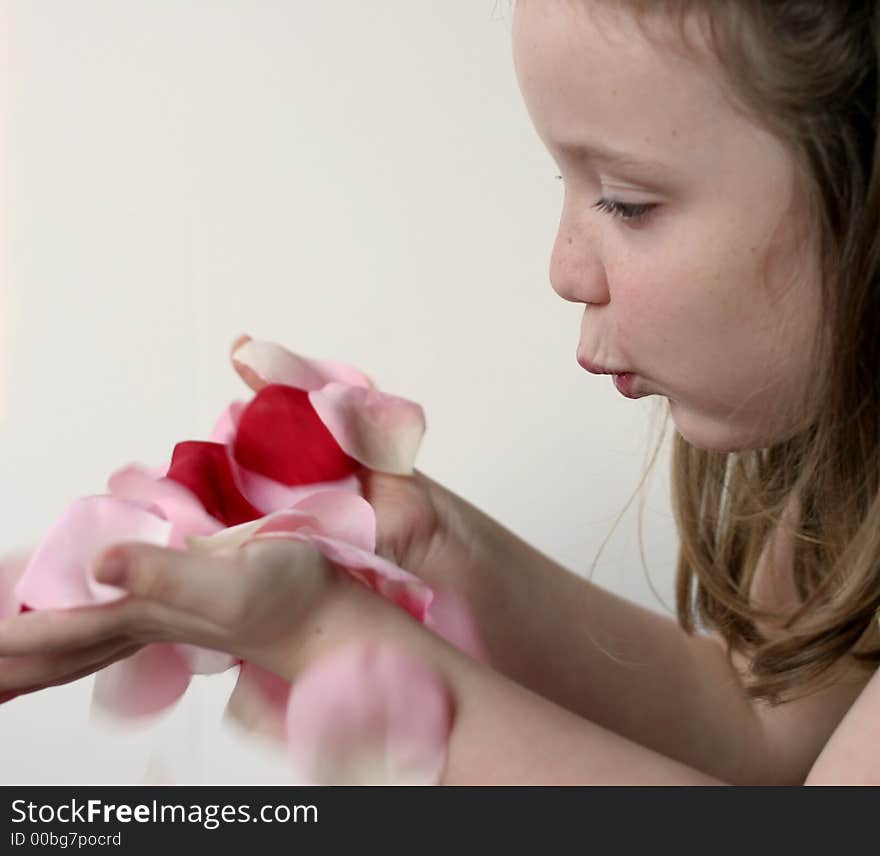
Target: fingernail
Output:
[{"x": 112, "y": 569}]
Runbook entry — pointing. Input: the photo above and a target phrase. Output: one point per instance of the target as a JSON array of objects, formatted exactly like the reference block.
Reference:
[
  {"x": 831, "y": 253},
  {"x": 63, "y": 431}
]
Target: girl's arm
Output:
[
  {"x": 852, "y": 755},
  {"x": 626, "y": 668},
  {"x": 501, "y": 732}
]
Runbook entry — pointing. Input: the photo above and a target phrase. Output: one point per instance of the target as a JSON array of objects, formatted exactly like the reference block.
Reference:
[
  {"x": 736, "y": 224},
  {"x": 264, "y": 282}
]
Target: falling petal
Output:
[
  {"x": 369, "y": 714},
  {"x": 259, "y": 702},
  {"x": 204, "y": 661},
  {"x": 144, "y": 684}
]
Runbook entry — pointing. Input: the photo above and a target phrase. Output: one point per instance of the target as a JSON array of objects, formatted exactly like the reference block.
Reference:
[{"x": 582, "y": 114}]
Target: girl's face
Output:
[{"x": 699, "y": 297}]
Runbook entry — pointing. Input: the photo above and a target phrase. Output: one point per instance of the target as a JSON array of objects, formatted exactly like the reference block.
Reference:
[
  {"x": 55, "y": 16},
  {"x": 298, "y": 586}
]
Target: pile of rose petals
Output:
[{"x": 281, "y": 465}]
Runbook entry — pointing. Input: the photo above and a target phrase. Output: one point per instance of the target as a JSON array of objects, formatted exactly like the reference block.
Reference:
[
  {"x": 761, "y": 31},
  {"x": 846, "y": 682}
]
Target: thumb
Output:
[{"x": 197, "y": 583}]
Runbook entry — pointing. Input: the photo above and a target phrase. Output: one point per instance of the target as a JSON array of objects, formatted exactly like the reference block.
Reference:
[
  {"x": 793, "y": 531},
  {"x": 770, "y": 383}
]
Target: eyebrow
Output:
[{"x": 613, "y": 157}]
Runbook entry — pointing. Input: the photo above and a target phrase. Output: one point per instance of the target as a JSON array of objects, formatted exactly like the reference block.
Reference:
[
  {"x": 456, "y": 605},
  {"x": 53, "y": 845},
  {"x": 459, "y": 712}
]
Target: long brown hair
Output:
[{"x": 806, "y": 70}]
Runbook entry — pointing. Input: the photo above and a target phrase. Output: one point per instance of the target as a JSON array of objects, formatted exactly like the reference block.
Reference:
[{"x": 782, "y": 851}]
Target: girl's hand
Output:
[
  {"x": 260, "y": 603},
  {"x": 421, "y": 526}
]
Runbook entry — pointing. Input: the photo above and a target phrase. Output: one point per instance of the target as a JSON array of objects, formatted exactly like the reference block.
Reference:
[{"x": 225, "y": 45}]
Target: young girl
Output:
[{"x": 720, "y": 227}]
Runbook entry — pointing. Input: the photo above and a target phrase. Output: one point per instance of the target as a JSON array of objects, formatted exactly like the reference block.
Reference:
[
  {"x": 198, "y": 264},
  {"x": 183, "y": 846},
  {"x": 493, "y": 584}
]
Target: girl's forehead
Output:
[{"x": 601, "y": 80}]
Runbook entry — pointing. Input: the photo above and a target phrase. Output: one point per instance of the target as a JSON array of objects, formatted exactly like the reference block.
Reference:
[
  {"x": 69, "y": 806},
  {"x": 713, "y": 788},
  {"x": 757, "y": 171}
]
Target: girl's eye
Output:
[{"x": 623, "y": 210}]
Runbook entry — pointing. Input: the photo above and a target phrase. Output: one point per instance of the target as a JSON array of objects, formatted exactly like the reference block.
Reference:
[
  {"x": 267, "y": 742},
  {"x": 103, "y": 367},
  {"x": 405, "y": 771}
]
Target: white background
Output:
[{"x": 358, "y": 181}]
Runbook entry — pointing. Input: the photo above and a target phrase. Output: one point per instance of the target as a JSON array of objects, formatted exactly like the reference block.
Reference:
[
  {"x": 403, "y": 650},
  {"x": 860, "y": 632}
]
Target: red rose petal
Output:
[
  {"x": 281, "y": 436},
  {"x": 203, "y": 467}
]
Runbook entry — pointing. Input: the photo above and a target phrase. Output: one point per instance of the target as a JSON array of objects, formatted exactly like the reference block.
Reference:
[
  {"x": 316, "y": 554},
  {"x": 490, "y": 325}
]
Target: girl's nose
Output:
[{"x": 576, "y": 270}]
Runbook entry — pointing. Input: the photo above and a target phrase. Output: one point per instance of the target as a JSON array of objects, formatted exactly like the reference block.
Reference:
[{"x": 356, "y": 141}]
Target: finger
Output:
[
  {"x": 210, "y": 593},
  {"x": 86, "y": 670},
  {"x": 203, "y": 585},
  {"x": 28, "y": 674},
  {"x": 48, "y": 631}
]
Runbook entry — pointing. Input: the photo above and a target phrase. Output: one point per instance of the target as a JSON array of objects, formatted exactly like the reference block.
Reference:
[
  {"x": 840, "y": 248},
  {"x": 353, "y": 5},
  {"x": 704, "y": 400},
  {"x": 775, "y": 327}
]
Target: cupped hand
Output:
[{"x": 255, "y": 603}]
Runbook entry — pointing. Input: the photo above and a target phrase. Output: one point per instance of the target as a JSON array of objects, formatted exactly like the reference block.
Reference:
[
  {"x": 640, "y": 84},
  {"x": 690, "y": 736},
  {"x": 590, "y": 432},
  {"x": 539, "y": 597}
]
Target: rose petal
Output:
[
  {"x": 144, "y": 684},
  {"x": 175, "y": 502},
  {"x": 339, "y": 515},
  {"x": 271, "y": 364},
  {"x": 59, "y": 574},
  {"x": 269, "y": 495},
  {"x": 235, "y": 537},
  {"x": 204, "y": 661},
  {"x": 227, "y": 423},
  {"x": 369, "y": 714},
  {"x": 450, "y": 616},
  {"x": 336, "y": 514},
  {"x": 259, "y": 702},
  {"x": 204, "y": 469},
  {"x": 281, "y": 436},
  {"x": 381, "y": 431}
]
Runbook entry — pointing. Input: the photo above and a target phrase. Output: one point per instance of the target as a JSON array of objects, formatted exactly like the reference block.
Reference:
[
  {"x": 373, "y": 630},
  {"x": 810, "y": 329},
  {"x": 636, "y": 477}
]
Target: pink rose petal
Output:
[
  {"x": 369, "y": 714},
  {"x": 333, "y": 513},
  {"x": 59, "y": 575},
  {"x": 450, "y": 616},
  {"x": 235, "y": 537},
  {"x": 176, "y": 502},
  {"x": 204, "y": 661},
  {"x": 144, "y": 684},
  {"x": 340, "y": 515},
  {"x": 269, "y": 495},
  {"x": 227, "y": 423},
  {"x": 272, "y": 363},
  {"x": 381, "y": 431},
  {"x": 259, "y": 702}
]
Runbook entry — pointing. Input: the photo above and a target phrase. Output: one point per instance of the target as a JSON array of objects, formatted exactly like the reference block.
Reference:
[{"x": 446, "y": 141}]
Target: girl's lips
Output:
[
  {"x": 623, "y": 380},
  {"x": 625, "y": 384}
]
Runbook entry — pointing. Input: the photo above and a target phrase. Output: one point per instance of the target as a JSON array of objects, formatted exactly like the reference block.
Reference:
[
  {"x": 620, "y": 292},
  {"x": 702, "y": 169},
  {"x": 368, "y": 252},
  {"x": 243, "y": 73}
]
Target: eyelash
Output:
[{"x": 622, "y": 210}]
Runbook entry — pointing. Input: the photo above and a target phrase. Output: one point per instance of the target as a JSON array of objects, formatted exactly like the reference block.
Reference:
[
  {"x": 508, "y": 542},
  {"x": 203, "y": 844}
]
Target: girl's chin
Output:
[{"x": 711, "y": 434}]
